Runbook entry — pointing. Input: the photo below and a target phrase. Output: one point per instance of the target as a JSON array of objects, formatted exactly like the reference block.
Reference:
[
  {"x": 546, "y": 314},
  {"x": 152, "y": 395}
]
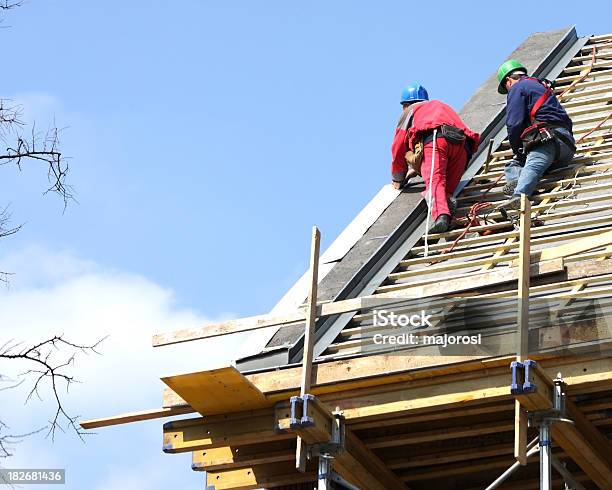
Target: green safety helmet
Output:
[{"x": 506, "y": 69}]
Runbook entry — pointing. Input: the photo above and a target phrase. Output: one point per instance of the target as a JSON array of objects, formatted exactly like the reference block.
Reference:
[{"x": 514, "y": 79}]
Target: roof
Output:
[{"x": 400, "y": 223}]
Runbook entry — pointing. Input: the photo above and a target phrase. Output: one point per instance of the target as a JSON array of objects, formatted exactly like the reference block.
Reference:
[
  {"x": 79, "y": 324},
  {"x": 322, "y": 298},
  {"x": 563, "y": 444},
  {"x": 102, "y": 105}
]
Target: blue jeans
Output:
[{"x": 538, "y": 161}]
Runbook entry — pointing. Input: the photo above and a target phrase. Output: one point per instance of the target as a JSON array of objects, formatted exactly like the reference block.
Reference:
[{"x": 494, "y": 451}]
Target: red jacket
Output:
[{"x": 425, "y": 116}]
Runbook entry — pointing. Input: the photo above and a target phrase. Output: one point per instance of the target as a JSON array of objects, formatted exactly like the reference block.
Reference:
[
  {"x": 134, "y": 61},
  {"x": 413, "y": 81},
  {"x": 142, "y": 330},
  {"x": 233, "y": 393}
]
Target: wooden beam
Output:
[
  {"x": 573, "y": 248},
  {"x": 440, "y": 288},
  {"x": 522, "y": 332},
  {"x": 449, "y": 456},
  {"x": 309, "y": 335},
  {"x": 202, "y": 433},
  {"x": 355, "y": 463},
  {"x": 228, "y": 457},
  {"x": 126, "y": 418},
  {"x": 383, "y": 370},
  {"x": 434, "y": 435},
  {"x": 311, "y": 314},
  {"x": 581, "y": 441},
  {"x": 520, "y": 433},
  {"x": 461, "y": 389},
  {"x": 483, "y": 409},
  {"x": 262, "y": 476},
  {"x": 416, "y": 397},
  {"x": 359, "y": 462}
]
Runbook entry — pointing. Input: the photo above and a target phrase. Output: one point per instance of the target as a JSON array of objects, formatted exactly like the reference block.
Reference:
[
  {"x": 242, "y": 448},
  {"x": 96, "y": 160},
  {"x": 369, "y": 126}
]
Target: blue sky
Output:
[{"x": 206, "y": 139}]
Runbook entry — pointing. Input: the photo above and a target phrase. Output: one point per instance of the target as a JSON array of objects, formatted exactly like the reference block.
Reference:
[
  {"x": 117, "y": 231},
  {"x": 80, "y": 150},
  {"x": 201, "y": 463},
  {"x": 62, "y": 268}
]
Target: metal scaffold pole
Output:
[{"x": 545, "y": 464}]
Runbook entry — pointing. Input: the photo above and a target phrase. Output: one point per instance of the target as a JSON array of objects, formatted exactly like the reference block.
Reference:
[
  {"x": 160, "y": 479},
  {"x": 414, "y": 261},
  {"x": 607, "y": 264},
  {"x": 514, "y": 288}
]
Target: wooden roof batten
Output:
[{"x": 419, "y": 418}]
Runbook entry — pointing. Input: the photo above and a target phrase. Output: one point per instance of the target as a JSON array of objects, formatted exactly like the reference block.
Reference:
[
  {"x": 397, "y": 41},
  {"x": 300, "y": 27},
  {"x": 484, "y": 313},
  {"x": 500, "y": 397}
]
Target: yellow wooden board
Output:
[
  {"x": 127, "y": 418},
  {"x": 216, "y": 391}
]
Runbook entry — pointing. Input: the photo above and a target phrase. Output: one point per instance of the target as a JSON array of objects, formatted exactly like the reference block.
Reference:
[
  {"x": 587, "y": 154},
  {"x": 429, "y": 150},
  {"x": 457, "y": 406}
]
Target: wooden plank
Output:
[
  {"x": 311, "y": 313},
  {"x": 309, "y": 334},
  {"x": 434, "y": 435},
  {"x": 602, "y": 64},
  {"x": 227, "y": 327},
  {"x": 262, "y": 476},
  {"x": 412, "y": 397},
  {"x": 203, "y": 434},
  {"x": 522, "y": 333},
  {"x": 574, "y": 247},
  {"x": 337, "y": 307},
  {"x": 520, "y": 433},
  {"x": 227, "y": 457},
  {"x": 383, "y": 370},
  {"x": 522, "y": 347},
  {"x": 216, "y": 391},
  {"x": 428, "y": 417},
  {"x": 553, "y": 283},
  {"x": 127, "y": 418}
]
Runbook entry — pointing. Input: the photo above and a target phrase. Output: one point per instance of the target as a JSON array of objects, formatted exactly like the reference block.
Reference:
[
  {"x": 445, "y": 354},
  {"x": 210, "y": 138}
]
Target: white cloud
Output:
[
  {"x": 34, "y": 267},
  {"x": 57, "y": 293}
]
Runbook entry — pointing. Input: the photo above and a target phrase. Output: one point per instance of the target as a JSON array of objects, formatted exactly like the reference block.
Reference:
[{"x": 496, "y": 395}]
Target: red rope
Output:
[
  {"x": 472, "y": 221},
  {"x": 472, "y": 217}
]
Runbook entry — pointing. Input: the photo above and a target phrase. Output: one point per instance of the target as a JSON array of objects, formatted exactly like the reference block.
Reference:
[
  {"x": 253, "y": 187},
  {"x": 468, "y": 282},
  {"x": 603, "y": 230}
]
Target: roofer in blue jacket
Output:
[{"x": 539, "y": 130}]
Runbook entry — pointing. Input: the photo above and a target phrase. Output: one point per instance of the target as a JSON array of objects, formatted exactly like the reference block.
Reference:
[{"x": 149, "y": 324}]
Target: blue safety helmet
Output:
[{"x": 414, "y": 92}]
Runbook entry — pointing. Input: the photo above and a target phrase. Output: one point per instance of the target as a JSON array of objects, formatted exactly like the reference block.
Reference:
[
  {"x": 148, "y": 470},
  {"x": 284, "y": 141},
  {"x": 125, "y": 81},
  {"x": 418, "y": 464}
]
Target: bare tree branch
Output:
[
  {"x": 7, "y": 4},
  {"x": 42, "y": 147},
  {"x": 47, "y": 361}
]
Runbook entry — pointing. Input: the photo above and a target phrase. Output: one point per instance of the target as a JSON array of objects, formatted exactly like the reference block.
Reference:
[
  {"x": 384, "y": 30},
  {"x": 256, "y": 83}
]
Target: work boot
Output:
[
  {"x": 508, "y": 188},
  {"x": 512, "y": 204},
  {"x": 452, "y": 206},
  {"x": 441, "y": 225}
]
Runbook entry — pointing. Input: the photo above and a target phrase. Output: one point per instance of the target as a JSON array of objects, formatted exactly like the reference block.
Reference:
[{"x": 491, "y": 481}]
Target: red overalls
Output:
[{"x": 450, "y": 159}]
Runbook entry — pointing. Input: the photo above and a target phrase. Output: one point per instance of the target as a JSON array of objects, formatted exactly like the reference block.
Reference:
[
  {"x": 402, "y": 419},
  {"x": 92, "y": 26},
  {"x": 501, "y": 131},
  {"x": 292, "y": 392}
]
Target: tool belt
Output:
[
  {"x": 542, "y": 132},
  {"x": 451, "y": 134},
  {"x": 536, "y": 134}
]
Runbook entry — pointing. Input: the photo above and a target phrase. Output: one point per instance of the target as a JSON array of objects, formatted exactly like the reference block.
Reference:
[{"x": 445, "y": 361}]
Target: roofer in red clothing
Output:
[{"x": 414, "y": 149}]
